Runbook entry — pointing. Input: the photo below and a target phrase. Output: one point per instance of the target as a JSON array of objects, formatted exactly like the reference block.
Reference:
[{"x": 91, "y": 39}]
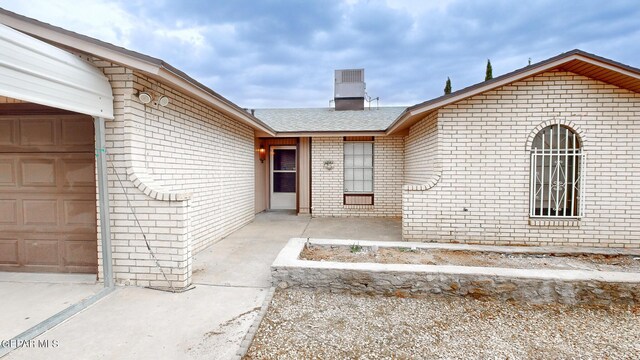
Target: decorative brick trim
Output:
[
  {"x": 424, "y": 187},
  {"x": 141, "y": 179},
  {"x": 555, "y": 121},
  {"x": 137, "y": 174},
  {"x": 423, "y": 138},
  {"x": 358, "y": 206},
  {"x": 359, "y": 199},
  {"x": 564, "y": 223}
]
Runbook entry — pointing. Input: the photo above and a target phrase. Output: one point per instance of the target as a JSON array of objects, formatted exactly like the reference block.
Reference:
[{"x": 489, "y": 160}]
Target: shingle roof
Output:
[{"x": 327, "y": 119}]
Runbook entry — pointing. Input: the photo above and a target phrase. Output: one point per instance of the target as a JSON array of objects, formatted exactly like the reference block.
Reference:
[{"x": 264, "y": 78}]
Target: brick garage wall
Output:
[
  {"x": 485, "y": 166},
  {"x": 187, "y": 171},
  {"x": 420, "y": 149},
  {"x": 327, "y": 185},
  {"x": 192, "y": 148}
]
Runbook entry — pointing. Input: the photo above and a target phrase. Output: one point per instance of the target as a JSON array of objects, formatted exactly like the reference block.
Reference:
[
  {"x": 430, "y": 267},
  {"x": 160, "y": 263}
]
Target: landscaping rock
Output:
[{"x": 312, "y": 324}]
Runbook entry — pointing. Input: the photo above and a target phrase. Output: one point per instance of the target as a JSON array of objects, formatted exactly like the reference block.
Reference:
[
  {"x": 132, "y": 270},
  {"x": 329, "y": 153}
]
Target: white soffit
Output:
[{"x": 36, "y": 72}]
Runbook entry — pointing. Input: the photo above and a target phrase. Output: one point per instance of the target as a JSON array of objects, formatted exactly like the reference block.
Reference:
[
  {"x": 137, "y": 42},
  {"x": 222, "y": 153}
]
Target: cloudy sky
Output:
[{"x": 283, "y": 53}]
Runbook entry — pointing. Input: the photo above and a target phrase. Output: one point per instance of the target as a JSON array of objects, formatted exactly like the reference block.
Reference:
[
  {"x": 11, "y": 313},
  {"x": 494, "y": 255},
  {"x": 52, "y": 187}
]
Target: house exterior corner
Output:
[
  {"x": 482, "y": 194},
  {"x": 181, "y": 178}
]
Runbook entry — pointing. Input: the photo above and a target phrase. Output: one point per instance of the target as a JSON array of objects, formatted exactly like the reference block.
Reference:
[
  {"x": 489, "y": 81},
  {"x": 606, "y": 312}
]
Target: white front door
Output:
[{"x": 283, "y": 177}]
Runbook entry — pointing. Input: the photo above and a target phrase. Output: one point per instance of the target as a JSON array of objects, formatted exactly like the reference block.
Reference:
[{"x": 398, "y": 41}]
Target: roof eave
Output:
[
  {"x": 331, "y": 133},
  {"x": 63, "y": 37},
  {"x": 140, "y": 62},
  {"x": 415, "y": 111},
  {"x": 421, "y": 110},
  {"x": 222, "y": 104}
]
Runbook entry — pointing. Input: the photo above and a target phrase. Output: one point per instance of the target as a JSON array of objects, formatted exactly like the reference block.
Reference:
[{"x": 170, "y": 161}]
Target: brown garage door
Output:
[{"x": 47, "y": 194}]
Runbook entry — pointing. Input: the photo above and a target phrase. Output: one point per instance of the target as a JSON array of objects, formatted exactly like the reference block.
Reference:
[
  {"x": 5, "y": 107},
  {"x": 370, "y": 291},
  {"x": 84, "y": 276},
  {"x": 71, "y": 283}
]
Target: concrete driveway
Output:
[
  {"x": 28, "y": 299},
  {"x": 231, "y": 280}
]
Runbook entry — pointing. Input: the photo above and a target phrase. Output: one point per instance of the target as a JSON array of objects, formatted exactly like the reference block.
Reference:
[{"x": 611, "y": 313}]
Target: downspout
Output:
[{"x": 103, "y": 197}]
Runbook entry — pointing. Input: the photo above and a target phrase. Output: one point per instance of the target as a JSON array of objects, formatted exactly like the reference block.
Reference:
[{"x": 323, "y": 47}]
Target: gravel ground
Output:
[
  {"x": 624, "y": 263},
  {"x": 309, "y": 324}
]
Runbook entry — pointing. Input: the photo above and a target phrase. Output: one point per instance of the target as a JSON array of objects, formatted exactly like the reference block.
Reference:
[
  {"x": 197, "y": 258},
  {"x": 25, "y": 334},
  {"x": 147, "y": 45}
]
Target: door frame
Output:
[{"x": 271, "y": 153}]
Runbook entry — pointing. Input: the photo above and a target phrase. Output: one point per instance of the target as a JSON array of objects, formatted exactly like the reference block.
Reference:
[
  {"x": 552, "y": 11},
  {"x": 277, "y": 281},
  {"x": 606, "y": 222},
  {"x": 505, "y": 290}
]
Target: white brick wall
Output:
[
  {"x": 191, "y": 148},
  {"x": 327, "y": 185},
  {"x": 482, "y": 145},
  {"x": 421, "y": 145},
  {"x": 185, "y": 150}
]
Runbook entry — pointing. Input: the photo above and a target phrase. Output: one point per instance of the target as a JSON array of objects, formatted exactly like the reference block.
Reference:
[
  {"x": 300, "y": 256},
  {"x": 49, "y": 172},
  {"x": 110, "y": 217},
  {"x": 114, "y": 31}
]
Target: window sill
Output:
[{"x": 554, "y": 222}]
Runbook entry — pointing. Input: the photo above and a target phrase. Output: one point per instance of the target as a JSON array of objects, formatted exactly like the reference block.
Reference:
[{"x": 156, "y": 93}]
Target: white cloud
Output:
[
  {"x": 111, "y": 22},
  {"x": 104, "y": 20},
  {"x": 192, "y": 36},
  {"x": 419, "y": 7},
  {"x": 257, "y": 54},
  {"x": 196, "y": 36}
]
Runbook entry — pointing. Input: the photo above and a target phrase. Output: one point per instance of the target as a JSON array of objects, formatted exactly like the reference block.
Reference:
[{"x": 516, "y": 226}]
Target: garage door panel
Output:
[
  {"x": 48, "y": 213},
  {"x": 37, "y": 132},
  {"x": 8, "y": 132},
  {"x": 41, "y": 252},
  {"x": 47, "y": 194},
  {"x": 40, "y": 212},
  {"x": 50, "y": 133},
  {"x": 8, "y": 176},
  {"x": 38, "y": 172},
  {"x": 9, "y": 251},
  {"x": 8, "y": 212},
  {"x": 51, "y": 173},
  {"x": 80, "y": 212},
  {"x": 78, "y": 171},
  {"x": 80, "y": 252},
  {"x": 77, "y": 132}
]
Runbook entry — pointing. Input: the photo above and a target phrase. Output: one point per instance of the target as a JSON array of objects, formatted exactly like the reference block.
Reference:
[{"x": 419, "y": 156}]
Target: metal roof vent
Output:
[{"x": 349, "y": 90}]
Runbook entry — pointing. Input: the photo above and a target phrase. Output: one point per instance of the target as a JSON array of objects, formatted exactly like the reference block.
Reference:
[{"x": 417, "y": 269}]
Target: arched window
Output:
[{"x": 557, "y": 166}]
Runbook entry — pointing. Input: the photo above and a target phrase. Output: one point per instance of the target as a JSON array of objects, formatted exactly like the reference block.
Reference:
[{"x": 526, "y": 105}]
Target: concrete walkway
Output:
[
  {"x": 244, "y": 258},
  {"x": 231, "y": 280}
]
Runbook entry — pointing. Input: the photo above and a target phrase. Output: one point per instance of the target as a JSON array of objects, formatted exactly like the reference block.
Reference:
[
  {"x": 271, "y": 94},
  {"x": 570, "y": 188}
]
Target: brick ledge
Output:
[
  {"x": 550, "y": 222},
  {"x": 424, "y": 187},
  {"x": 358, "y": 206},
  {"x": 146, "y": 184}
]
